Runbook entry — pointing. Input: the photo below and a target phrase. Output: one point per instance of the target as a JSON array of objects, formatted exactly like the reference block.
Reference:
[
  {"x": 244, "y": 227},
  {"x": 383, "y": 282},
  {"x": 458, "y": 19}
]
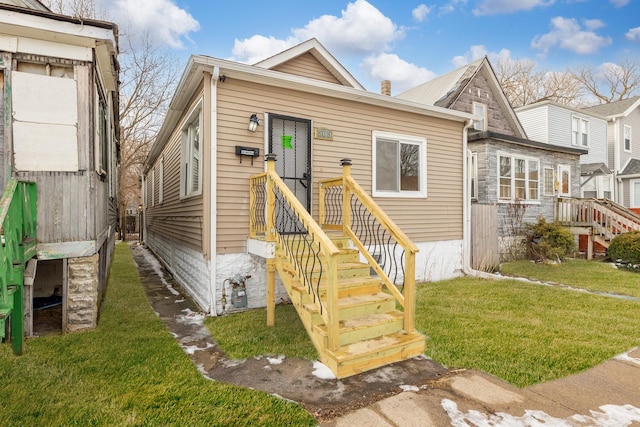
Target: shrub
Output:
[
  {"x": 549, "y": 241},
  {"x": 625, "y": 248}
]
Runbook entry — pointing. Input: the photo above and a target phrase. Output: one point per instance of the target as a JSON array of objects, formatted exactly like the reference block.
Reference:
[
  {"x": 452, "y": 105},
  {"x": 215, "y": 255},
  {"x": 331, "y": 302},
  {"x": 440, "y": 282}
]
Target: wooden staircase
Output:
[
  {"x": 355, "y": 314},
  {"x": 18, "y": 247},
  {"x": 371, "y": 329},
  {"x": 601, "y": 219}
]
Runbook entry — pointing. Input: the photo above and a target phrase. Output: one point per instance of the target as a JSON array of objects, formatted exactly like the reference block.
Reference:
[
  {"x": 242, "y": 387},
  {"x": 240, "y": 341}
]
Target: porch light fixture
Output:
[{"x": 254, "y": 121}]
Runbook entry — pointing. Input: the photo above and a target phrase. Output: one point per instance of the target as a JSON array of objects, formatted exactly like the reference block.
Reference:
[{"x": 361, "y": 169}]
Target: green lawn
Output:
[
  {"x": 129, "y": 371},
  {"x": 522, "y": 333},
  {"x": 579, "y": 273}
]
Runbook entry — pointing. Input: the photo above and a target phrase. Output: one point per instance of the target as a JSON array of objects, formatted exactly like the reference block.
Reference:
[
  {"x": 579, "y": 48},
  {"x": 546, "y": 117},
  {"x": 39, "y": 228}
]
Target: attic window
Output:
[{"x": 480, "y": 110}]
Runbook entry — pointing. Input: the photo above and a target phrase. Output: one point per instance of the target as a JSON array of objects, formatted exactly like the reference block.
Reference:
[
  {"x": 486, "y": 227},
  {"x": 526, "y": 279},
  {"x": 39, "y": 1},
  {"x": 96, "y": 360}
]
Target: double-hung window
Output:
[
  {"x": 579, "y": 132},
  {"x": 627, "y": 138},
  {"x": 519, "y": 178},
  {"x": 400, "y": 165},
  {"x": 191, "y": 170}
]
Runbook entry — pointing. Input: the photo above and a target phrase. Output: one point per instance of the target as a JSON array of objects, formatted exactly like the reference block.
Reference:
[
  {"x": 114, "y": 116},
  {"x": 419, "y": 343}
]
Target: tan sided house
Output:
[
  {"x": 361, "y": 195},
  {"x": 59, "y": 109}
]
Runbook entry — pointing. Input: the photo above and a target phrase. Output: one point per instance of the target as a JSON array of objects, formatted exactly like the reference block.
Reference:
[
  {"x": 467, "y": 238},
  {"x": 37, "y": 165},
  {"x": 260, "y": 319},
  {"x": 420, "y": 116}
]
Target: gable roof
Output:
[
  {"x": 588, "y": 169},
  {"x": 632, "y": 168},
  {"x": 28, "y": 4},
  {"x": 583, "y": 111},
  {"x": 443, "y": 91},
  {"x": 315, "y": 48},
  {"x": 616, "y": 109}
]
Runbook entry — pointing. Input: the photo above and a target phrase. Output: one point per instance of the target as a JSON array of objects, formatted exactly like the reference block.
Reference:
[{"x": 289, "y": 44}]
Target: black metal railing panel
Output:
[{"x": 382, "y": 246}]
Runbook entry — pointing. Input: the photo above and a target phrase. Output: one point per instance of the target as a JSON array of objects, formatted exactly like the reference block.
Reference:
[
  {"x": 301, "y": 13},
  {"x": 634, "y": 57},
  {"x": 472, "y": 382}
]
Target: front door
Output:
[{"x": 290, "y": 141}]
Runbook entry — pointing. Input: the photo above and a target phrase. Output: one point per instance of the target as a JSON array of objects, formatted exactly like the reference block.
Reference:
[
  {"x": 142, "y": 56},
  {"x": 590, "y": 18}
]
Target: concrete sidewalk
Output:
[{"x": 606, "y": 395}]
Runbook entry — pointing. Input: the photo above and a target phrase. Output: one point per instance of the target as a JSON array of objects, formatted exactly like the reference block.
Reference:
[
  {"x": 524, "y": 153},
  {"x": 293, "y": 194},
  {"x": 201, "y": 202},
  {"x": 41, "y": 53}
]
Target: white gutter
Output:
[
  {"x": 616, "y": 160},
  {"x": 213, "y": 218}
]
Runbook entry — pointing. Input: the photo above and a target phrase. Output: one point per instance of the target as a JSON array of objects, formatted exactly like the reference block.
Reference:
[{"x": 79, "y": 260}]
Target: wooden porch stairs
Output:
[
  {"x": 601, "y": 219},
  {"x": 371, "y": 330},
  {"x": 350, "y": 276}
]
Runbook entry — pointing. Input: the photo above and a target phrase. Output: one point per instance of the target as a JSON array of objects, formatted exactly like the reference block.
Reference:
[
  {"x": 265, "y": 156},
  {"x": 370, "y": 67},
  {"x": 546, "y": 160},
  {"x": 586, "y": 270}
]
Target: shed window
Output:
[
  {"x": 191, "y": 171},
  {"x": 399, "y": 163}
]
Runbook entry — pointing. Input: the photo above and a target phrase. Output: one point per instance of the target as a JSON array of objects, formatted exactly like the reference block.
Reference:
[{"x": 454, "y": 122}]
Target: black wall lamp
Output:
[{"x": 254, "y": 121}]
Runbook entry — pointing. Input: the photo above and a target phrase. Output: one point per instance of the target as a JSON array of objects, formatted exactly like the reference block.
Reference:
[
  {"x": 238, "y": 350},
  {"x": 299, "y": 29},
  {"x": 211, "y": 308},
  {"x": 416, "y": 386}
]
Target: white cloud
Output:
[
  {"x": 567, "y": 34},
  {"x": 451, "y": 6},
  {"x": 361, "y": 29},
  {"x": 496, "y": 7},
  {"x": 421, "y": 12},
  {"x": 633, "y": 34},
  {"x": 403, "y": 75},
  {"x": 256, "y": 48},
  {"x": 162, "y": 19},
  {"x": 619, "y": 3},
  {"x": 593, "y": 24},
  {"x": 479, "y": 51}
]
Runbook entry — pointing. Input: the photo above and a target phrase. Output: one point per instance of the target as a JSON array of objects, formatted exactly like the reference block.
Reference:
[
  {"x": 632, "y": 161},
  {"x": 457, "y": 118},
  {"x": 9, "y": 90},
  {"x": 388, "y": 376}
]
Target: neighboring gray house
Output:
[
  {"x": 561, "y": 125},
  {"x": 623, "y": 150},
  {"x": 522, "y": 177},
  {"x": 59, "y": 107}
]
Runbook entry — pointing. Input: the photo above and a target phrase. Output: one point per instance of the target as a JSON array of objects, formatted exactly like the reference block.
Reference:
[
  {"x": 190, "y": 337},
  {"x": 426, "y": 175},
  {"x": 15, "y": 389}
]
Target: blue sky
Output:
[{"x": 405, "y": 42}]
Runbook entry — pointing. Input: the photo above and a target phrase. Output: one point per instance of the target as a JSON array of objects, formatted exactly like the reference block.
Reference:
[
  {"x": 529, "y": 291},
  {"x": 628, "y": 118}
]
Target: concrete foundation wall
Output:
[{"x": 82, "y": 293}]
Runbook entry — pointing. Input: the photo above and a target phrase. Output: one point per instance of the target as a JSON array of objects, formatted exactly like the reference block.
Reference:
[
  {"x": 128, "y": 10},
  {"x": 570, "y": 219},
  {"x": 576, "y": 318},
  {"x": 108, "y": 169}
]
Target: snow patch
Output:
[
  {"x": 191, "y": 349},
  {"x": 178, "y": 301},
  {"x": 157, "y": 268},
  {"x": 232, "y": 363},
  {"x": 323, "y": 372},
  {"x": 626, "y": 358},
  {"x": 191, "y": 317},
  {"x": 276, "y": 360},
  {"x": 411, "y": 388},
  {"x": 611, "y": 415}
]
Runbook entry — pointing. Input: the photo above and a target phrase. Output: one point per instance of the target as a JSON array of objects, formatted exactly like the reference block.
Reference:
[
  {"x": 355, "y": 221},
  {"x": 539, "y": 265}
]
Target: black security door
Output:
[{"x": 290, "y": 141}]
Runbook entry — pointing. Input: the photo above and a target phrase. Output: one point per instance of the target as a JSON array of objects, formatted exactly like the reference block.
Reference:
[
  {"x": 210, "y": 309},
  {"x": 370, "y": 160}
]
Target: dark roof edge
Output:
[
  {"x": 57, "y": 17},
  {"x": 525, "y": 142}
]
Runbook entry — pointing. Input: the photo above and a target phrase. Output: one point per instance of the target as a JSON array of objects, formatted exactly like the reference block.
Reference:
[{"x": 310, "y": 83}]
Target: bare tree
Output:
[
  {"x": 524, "y": 84},
  {"x": 148, "y": 75},
  {"x": 610, "y": 82}
]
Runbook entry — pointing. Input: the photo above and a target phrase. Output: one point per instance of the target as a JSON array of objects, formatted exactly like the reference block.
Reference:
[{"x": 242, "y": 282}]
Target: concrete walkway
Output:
[{"x": 417, "y": 392}]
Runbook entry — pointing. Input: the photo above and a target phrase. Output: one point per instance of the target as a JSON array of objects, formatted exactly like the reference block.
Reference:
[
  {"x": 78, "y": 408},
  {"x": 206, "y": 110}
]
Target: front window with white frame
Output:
[
  {"x": 481, "y": 111},
  {"x": 518, "y": 178},
  {"x": 400, "y": 165},
  {"x": 191, "y": 170},
  {"x": 635, "y": 193},
  {"x": 580, "y": 132},
  {"x": 627, "y": 138}
]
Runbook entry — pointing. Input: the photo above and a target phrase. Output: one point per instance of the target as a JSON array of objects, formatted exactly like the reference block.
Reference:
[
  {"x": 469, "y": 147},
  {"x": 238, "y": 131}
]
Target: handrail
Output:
[
  {"x": 18, "y": 234},
  {"x": 297, "y": 235},
  {"x": 346, "y": 206},
  {"x": 597, "y": 214}
]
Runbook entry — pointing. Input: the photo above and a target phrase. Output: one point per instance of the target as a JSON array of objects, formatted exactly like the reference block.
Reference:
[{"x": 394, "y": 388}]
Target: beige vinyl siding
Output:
[
  {"x": 307, "y": 65},
  {"x": 438, "y": 217},
  {"x": 181, "y": 220}
]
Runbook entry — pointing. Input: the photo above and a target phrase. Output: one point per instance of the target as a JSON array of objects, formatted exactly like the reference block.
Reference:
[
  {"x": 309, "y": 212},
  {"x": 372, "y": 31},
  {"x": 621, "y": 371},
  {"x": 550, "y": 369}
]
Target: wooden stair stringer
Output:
[{"x": 370, "y": 333}]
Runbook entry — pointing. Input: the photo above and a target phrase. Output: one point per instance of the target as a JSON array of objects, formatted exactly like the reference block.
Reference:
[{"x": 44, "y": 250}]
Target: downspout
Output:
[
  {"x": 466, "y": 214},
  {"x": 616, "y": 160},
  {"x": 213, "y": 193},
  {"x": 144, "y": 210}
]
